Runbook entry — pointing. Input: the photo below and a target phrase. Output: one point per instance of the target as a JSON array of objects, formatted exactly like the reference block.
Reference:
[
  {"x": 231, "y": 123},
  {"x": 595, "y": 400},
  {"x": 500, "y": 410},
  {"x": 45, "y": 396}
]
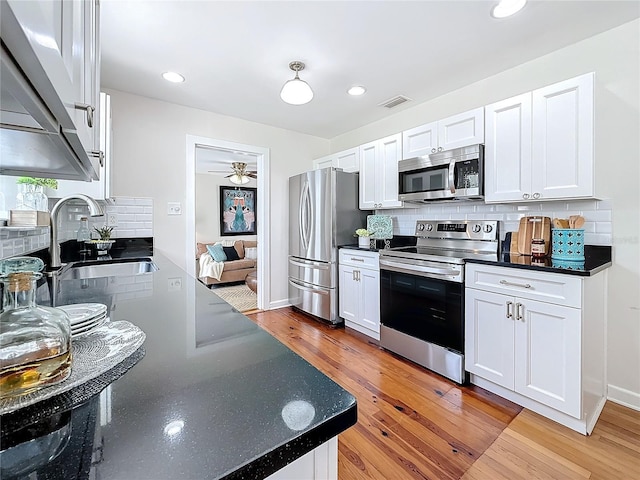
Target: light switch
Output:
[{"x": 174, "y": 208}]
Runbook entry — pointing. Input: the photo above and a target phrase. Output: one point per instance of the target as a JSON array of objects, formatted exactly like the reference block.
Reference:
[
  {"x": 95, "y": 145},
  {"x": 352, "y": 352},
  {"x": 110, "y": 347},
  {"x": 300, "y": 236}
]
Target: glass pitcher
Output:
[{"x": 35, "y": 342}]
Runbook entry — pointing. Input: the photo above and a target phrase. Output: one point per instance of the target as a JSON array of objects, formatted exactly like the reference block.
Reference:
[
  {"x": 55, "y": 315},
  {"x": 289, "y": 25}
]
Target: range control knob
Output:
[
  {"x": 421, "y": 226},
  {"x": 488, "y": 228},
  {"x": 476, "y": 228},
  {"x": 429, "y": 227}
]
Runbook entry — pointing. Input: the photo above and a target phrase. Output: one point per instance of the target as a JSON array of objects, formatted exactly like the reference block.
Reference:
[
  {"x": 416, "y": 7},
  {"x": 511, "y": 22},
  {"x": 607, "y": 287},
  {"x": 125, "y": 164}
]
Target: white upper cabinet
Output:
[
  {"x": 99, "y": 189},
  {"x": 54, "y": 47},
  {"x": 379, "y": 173},
  {"x": 539, "y": 145},
  {"x": 347, "y": 160},
  {"x": 456, "y": 131}
]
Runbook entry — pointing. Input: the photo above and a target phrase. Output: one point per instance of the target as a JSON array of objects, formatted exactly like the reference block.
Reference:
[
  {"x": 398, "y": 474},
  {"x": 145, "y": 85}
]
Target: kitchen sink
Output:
[{"x": 120, "y": 267}]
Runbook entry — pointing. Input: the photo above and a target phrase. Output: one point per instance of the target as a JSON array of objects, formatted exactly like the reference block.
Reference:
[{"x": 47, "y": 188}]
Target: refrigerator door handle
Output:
[
  {"x": 303, "y": 215},
  {"x": 307, "y": 289},
  {"x": 316, "y": 265}
]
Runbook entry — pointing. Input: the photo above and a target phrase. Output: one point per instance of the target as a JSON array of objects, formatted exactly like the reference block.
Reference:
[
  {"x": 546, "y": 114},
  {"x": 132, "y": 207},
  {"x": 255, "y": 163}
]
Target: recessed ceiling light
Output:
[
  {"x": 173, "y": 77},
  {"x": 506, "y": 8},
  {"x": 356, "y": 90}
]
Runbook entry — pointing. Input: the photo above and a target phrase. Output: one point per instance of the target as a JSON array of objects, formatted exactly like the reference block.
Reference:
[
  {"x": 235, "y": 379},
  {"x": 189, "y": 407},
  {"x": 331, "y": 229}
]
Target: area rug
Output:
[{"x": 238, "y": 296}]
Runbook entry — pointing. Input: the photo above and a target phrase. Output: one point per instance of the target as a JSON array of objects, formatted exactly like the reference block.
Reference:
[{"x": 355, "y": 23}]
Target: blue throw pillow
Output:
[{"x": 217, "y": 253}]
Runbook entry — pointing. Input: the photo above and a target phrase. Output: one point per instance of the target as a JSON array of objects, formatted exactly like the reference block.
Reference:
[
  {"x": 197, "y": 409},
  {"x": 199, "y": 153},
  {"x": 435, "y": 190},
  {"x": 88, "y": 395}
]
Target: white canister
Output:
[{"x": 363, "y": 242}]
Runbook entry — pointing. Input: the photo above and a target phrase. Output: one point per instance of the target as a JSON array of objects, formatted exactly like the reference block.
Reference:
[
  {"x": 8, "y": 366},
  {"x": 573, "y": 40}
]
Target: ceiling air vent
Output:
[{"x": 395, "y": 101}]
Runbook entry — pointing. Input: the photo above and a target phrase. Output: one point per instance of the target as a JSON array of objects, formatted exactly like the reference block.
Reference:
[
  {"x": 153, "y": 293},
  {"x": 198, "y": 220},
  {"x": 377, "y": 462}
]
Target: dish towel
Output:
[{"x": 209, "y": 267}]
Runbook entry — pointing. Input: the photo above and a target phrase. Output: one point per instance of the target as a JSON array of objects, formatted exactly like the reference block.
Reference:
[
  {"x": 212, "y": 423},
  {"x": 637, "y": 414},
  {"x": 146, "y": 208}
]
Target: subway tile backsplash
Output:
[
  {"x": 134, "y": 217},
  {"x": 597, "y": 214}
]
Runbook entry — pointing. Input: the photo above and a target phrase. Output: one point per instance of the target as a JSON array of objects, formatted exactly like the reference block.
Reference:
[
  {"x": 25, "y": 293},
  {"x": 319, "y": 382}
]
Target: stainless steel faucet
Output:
[{"x": 95, "y": 210}]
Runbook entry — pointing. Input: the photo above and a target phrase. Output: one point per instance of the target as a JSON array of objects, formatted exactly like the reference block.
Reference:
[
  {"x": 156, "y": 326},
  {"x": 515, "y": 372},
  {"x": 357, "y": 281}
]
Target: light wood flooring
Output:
[{"x": 415, "y": 424}]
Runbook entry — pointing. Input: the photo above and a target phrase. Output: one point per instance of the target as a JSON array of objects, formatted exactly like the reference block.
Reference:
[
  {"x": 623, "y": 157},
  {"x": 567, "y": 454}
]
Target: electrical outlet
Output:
[
  {"x": 112, "y": 219},
  {"x": 174, "y": 208},
  {"x": 174, "y": 284}
]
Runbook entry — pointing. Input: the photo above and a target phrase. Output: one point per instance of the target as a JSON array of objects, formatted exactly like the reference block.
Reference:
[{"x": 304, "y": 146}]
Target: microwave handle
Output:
[{"x": 452, "y": 177}]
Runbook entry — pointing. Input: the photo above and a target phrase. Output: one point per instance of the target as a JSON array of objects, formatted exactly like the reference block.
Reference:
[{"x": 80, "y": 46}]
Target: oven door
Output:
[{"x": 425, "y": 308}]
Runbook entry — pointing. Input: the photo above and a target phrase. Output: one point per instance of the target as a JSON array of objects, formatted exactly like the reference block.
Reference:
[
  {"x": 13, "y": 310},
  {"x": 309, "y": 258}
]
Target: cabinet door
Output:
[
  {"x": 348, "y": 160},
  {"x": 547, "y": 355},
  {"x": 488, "y": 340},
  {"x": 507, "y": 173},
  {"x": 101, "y": 188},
  {"x": 368, "y": 178},
  {"x": 390, "y": 155},
  {"x": 324, "y": 162},
  {"x": 563, "y": 139},
  {"x": 422, "y": 140},
  {"x": 461, "y": 130},
  {"x": 349, "y": 294},
  {"x": 370, "y": 300}
]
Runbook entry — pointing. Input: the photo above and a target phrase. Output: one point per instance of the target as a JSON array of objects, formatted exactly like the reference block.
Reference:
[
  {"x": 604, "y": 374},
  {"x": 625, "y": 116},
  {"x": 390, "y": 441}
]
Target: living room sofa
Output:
[{"x": 234, "y": 270}]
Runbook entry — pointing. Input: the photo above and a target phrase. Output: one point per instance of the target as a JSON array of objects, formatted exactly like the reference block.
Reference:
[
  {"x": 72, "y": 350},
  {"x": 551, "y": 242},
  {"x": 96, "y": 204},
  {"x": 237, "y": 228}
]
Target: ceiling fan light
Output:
[
  {"x": 356, "y": 90},
  {"x": 239, "y": 179},
  {"x": 506, "y": 8}
]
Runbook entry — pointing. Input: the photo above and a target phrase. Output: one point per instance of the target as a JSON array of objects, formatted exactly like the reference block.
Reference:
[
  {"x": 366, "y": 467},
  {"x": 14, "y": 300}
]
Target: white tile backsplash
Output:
[
  {"x": 131, "y": 224},
  {"x": 597, "y": 213}
]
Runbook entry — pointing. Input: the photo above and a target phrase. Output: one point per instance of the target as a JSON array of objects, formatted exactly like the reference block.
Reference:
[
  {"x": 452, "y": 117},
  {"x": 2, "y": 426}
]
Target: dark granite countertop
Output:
[
  {"x": 215, "y": 396},
  {"x": 597, "y": 258}
]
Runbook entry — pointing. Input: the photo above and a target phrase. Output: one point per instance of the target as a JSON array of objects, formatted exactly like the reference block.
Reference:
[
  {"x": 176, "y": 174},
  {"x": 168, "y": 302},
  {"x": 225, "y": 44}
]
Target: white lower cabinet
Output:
[
  {"x": 538, "y": 340},
  {"x": 319, "y": 464},
  {"x": 359, "y": 289}
]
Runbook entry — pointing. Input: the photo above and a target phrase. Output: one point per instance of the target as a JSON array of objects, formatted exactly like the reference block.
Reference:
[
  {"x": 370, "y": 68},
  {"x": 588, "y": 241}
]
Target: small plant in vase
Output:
[
  {"x": 103, "y": 244},
  {"x": 363, "y": 237}
]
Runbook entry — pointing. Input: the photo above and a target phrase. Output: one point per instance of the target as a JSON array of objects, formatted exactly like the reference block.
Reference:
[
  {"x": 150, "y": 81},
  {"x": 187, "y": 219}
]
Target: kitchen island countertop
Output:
[{"x": 214, "y": 397}]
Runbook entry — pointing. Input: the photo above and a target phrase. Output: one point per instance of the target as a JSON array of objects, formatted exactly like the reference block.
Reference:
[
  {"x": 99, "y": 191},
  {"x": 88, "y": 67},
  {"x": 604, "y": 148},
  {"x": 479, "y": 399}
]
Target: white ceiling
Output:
[{"x": 235, "y": 54}]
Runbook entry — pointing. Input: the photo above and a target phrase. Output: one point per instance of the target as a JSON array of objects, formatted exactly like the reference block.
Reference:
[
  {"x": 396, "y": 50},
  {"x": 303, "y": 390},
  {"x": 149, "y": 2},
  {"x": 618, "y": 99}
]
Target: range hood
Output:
[{"x": 35, "y": 137}]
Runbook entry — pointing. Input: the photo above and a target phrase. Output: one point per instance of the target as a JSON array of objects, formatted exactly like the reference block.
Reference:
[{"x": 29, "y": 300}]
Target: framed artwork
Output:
[{"x": 238, "y": 211}]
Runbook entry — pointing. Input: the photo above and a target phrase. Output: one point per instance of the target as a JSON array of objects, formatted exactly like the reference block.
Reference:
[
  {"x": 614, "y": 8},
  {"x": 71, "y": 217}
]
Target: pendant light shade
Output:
[
  {"x": 238, "y": 179},
  {"x": 296, "y": 91}
]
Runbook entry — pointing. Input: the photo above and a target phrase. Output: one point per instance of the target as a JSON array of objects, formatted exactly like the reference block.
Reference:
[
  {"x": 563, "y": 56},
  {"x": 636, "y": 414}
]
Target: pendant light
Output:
[{"x": 296, "y": 91}]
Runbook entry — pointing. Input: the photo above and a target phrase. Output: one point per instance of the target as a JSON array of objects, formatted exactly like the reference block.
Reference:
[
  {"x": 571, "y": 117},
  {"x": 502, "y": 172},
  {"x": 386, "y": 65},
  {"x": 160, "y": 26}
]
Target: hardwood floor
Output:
[{"x": 415, "y": 424}]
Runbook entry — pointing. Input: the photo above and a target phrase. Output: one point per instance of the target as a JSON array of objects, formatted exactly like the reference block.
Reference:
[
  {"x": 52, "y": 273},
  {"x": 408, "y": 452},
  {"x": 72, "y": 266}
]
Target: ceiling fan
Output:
[{"x": 240, "y": 174}]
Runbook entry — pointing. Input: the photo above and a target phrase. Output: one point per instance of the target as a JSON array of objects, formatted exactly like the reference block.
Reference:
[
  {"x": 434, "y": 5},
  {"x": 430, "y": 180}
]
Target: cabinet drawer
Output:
[
  {"x": 359, "y": 258},
  {"x": 546, "y": 287}
]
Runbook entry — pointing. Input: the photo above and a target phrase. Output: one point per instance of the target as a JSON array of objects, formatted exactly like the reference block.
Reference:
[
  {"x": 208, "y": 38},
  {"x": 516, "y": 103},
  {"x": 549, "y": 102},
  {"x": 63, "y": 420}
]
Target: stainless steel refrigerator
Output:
[{"x": 323, "y": 214}]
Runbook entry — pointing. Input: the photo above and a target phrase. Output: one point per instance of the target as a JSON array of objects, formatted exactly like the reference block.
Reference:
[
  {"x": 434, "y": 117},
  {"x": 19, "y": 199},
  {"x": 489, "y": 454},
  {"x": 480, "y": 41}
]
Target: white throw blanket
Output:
[{"x": 209, "y": 267}]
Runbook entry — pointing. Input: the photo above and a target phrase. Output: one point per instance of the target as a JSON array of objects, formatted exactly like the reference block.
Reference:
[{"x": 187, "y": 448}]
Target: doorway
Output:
[{"x": 209, "y": 155}]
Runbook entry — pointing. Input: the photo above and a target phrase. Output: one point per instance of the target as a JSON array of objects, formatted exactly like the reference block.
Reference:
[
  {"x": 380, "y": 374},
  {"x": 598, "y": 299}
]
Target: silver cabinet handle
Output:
[
  {"x": 99, "y": 155},
  {"x": 357, "y": 259},
  {"x": 439, "y": 149},
  {"x": 509, "y": 310},
  {"x": 353, "y": 275},
  {"x": 523, "y": 285},
  {"x": 536, "y": 195},
  {"x": 433, "y": 150},
  {"x": 358, "y": 275},
  {"x": 89, "y": 109},
  {"x": 525, "y": 196},
  {"x": 519, "y": 315}
]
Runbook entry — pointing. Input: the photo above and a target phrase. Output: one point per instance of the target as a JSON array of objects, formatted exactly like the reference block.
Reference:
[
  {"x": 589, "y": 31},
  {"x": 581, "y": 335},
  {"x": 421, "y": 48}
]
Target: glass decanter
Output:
[{"x": 35, "y": 342}]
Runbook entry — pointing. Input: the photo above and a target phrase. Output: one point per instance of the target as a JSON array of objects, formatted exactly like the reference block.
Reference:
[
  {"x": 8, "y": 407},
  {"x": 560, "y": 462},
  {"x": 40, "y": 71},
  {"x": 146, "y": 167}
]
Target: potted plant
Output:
[
  {"x": 103, "y": 244},
  {"x": 363, "y": 237}
]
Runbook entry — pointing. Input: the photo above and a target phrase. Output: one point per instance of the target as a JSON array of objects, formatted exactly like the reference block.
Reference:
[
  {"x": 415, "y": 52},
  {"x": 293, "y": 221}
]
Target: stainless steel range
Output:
[{"x": 422, "y": 292}]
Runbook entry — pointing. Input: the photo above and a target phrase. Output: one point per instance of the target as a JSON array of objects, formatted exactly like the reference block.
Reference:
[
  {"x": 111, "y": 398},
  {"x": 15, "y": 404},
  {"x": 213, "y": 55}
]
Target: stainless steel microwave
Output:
[{"x": 450, "y": 175}]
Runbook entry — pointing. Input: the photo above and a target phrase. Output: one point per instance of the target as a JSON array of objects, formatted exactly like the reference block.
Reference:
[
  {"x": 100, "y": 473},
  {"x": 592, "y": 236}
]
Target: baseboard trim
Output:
[
  {"x": 279, "y": 304},
  {"x": 623, "y": 397}
]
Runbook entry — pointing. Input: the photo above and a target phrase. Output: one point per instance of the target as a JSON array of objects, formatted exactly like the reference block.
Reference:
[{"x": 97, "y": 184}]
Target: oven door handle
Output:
[{"x": 420, "y": 269}]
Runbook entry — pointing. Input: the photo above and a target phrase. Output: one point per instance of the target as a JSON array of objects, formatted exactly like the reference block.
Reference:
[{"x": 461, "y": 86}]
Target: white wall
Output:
[
  {"x": 208, "y": 207},
  {"x": 615, "y": 58},
  {"x": 149, "y": 143}
]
